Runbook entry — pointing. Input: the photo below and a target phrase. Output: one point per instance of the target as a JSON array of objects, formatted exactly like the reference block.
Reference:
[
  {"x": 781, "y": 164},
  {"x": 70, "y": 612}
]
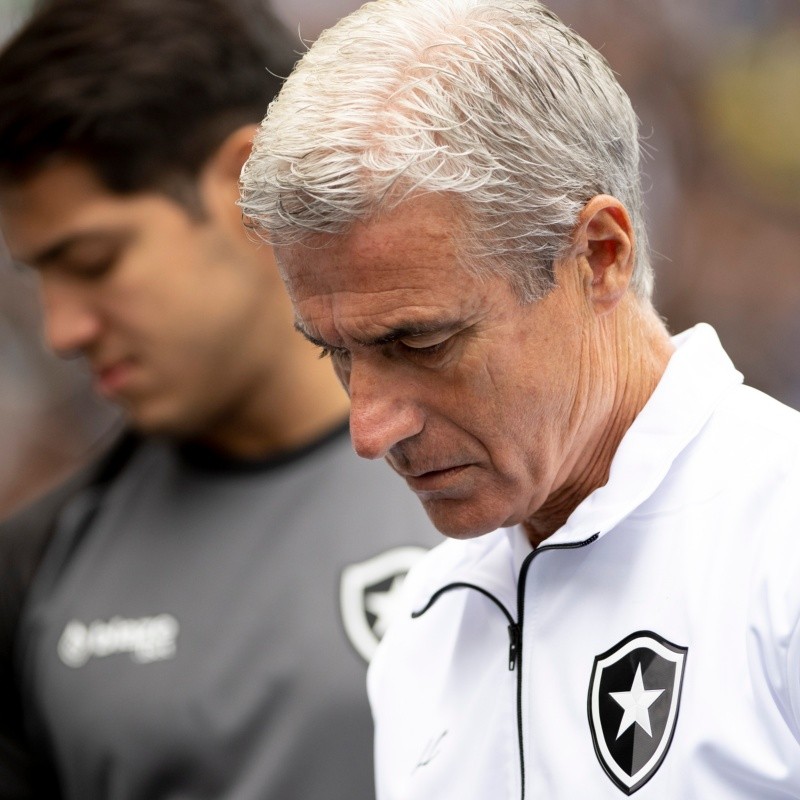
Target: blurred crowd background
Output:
[{"x": 716, "y": 84}]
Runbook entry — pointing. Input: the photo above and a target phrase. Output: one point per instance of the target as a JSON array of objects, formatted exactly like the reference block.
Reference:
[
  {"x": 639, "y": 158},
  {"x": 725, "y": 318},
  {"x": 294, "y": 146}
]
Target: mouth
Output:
[
  {"x": 111, "y": 379},
  {"x": 434, "y": 480}
]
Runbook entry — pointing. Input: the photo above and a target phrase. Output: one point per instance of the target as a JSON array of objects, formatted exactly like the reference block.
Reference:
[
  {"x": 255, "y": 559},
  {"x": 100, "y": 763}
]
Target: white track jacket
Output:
[{"x": 650, "y": 646}]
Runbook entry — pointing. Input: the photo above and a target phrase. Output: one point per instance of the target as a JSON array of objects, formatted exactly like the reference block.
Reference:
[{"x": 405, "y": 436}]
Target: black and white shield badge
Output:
[
  {"x": 369, "y": 593},
  {"x": 634, "y": 696}
]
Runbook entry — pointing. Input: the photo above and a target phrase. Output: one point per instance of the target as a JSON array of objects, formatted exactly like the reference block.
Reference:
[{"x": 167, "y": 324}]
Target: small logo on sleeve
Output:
[
  {"x": 634, "y": 695},
  {"x": 431, "y": 751},
  {"x": 145, "y": 639}
]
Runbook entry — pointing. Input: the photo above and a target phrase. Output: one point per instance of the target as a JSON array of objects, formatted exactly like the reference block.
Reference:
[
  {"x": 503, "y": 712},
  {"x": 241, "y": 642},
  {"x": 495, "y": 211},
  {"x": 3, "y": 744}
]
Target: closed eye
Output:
[
  {"x": 424, "y": 350},
  {"x": 427, "y": 344},
  {"x": 416, "y": 345}
]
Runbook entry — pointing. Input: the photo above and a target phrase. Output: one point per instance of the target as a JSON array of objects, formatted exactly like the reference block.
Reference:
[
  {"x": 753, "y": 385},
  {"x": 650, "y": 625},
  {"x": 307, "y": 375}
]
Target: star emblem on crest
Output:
[{"x": 636, "y": 703}]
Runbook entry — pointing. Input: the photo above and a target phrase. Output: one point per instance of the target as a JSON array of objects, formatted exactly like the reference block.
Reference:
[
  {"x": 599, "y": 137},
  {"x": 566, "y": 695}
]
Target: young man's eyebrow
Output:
[{"x": 62, "y": 247}]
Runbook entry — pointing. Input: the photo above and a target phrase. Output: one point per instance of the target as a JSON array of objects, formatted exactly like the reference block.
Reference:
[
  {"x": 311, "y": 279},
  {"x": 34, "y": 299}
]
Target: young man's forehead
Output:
[{"x": 54, "y": 213}]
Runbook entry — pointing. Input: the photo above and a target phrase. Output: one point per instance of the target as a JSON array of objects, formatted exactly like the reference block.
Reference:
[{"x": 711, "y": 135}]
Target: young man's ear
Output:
[
  {"x": 219, "y": 179},
  {"x": 604, "y": 244}
]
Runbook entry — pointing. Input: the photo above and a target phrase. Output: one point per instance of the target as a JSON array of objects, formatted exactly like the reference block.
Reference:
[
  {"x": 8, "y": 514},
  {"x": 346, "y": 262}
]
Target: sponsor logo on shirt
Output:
[
  {"x": 145, "y": 639},
  {"x": 368, "y": 596}
]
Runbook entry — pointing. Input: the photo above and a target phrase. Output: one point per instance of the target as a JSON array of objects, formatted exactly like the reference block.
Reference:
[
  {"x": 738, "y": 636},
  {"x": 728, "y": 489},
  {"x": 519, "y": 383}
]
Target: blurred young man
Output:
[
  {"x": 453, "y": 192},
  {"x": 191, "y": 616}
]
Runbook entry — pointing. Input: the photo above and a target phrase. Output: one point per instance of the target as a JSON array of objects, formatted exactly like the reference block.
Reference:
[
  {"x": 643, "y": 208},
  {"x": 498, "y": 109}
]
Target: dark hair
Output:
[{"x": 141, "y": 91}]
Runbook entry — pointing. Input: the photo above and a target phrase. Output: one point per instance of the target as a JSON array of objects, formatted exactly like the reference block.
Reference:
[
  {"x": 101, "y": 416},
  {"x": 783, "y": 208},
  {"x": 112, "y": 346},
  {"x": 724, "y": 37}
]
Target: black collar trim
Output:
[{"x": 202, "y": 457}]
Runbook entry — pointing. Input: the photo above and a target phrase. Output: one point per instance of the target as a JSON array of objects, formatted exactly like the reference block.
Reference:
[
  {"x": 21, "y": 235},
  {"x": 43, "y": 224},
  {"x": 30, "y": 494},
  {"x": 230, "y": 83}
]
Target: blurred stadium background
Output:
[{"x": 717, "y": 87}]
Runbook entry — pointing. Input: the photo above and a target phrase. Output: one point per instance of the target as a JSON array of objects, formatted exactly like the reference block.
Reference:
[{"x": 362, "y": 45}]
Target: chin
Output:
[
  {"x": 154, "y": 421},
  {"x": 460, "y": 519}
]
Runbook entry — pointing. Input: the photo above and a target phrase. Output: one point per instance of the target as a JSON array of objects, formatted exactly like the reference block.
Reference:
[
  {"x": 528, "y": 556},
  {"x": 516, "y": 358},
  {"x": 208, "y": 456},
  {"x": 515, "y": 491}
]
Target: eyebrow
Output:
[
  {"x": 62, "y": 247},
  {"x": 402, "y": 331}
]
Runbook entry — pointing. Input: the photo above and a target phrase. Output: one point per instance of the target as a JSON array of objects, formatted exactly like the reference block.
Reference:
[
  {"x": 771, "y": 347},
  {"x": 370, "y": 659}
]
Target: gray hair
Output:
[{"x": 495, "y": 103}]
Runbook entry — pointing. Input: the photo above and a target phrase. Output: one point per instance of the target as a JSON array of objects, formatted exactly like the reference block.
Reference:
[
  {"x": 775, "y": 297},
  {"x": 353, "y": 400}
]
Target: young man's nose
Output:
[{"x": 70, "y": 324}]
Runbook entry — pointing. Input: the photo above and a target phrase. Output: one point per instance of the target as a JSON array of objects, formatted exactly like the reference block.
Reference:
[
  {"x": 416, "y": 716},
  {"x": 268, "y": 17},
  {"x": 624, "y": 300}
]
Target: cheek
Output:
[
  {"x": 518, "y": 422},
  {"x": 481, "y": 397},
  {"x": 148, "y": 293}
]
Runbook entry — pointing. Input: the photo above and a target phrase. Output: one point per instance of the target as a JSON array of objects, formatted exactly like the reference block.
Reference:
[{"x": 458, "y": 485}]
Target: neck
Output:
[
  {"x": 634, "y": 351},
  {"x": 299, "y": 402}
]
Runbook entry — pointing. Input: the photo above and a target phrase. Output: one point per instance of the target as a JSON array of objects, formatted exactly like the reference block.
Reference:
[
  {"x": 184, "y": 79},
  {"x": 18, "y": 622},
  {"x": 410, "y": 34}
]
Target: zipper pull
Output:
[{"x": 513, "y": 647}]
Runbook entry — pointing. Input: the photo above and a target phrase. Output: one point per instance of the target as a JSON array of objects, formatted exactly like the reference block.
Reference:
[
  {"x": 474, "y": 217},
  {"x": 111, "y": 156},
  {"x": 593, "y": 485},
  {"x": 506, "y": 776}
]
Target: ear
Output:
[
  {"x": 219, "y": 178},
  {"x": 604, "y": 246}
]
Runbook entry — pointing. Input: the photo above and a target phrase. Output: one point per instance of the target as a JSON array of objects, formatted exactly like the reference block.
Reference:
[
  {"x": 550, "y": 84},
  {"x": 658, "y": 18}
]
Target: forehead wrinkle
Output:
[{"x": 386, "y": 277}]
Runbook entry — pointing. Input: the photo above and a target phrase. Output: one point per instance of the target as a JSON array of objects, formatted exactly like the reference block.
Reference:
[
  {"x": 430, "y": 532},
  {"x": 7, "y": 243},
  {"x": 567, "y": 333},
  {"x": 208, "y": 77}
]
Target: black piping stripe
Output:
[{"x": 460, "y": 585}]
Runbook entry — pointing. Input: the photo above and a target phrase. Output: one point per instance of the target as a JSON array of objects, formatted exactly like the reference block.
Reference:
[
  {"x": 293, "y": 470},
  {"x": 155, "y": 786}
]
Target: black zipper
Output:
[
  {"x": 517, "y": 637},
  {"x": 514, "y": 628}
]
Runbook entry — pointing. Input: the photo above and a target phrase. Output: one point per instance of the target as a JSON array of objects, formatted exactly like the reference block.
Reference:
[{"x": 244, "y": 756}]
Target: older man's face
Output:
[{"x": 476, "y": 400}]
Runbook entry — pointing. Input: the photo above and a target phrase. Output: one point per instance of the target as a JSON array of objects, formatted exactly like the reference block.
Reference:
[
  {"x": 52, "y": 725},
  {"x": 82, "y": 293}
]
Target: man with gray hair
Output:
[{"x": 453, "y": 192}]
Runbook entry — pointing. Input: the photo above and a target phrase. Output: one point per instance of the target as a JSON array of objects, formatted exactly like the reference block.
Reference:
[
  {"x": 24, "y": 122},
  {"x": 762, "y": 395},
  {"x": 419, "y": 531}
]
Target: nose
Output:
[
  {"x": 70, "y": 324},
  {"x": 382, "y": 411}
]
